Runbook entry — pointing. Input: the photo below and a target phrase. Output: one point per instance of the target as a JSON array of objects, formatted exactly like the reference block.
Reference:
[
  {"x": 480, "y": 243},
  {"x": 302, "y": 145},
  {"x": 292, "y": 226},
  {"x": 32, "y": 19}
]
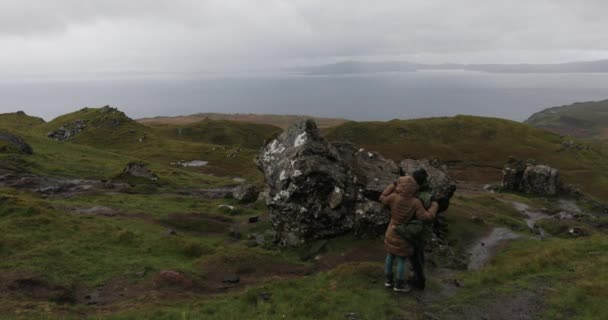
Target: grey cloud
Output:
[{"x": 183, "y": 35}]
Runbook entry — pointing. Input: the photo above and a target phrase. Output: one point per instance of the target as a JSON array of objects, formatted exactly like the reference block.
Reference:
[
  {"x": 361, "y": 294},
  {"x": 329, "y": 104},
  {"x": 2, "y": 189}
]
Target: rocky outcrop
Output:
[
  {"x": 68, "y": 131},
  {"x": 530, "y": 178},
  {"x": 139, "y": 170},
  {"x": 16, "y": 142},
  {"x": 106, "y": 117},
  {"x": 311, "y": 195},
  {"x": 245, "y": 193},
  {"x": 371, "y": 172},
  {"x": 540, "y": 180},
  {"x": 318, "y": 190}
]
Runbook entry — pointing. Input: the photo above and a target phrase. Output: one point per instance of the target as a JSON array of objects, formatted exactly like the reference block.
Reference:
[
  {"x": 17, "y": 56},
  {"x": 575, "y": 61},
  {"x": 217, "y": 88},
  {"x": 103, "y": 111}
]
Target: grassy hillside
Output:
[
  {"x": 228, "y": 147},
  {"x": 281, "y": 121},
  {"x": 476, "y": 148},
  {"x": 19, "y": 121},
  {"x": 61, "y": 260},
  {"x": 220, "y": 132},
  {"x": 584, "y": 120},
  {"x": 104, "y": 127}
]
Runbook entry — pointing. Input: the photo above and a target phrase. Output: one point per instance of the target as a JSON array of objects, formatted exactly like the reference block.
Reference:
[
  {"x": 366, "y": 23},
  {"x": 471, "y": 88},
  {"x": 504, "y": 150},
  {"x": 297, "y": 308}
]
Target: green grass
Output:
[
  {"x": 477, "y": 148},
  {"x": 221, "y": 132},
  {"x": 19, "y": 121},
  {"x": 228, "y": 147},
  {"x": 583, "y": 119},
  {"x": 574, "y": 271}
]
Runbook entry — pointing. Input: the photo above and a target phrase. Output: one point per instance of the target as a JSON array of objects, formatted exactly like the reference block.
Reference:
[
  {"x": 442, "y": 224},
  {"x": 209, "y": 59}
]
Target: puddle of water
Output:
[
  {"x": 483, "y": 251},
  {"x": 533, "y": 217},
  {"x": 193, "y": 163},
  {"x": 569, "y": 206}
]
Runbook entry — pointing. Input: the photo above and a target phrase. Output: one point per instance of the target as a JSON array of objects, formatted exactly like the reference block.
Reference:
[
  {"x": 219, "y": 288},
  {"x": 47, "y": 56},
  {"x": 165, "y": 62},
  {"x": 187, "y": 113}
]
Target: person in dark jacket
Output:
[
  {"x": 425, "y": 194},
  {"x": 400, "y": 197}
]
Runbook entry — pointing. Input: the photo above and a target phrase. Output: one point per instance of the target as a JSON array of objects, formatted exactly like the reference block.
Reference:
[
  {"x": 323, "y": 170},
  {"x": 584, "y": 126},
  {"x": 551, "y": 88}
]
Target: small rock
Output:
[
  {"x": 429, "y": 316},
  {"x": 564, "y": 216},
  {"x": 140, "y": 170},
  {"x": 246, "y": 193},
  {"x": 578, "y": 232},
  {"x": 352, "y": 316},
  {"x": 170, "y": 232},
  {"x": 92, "y": 298},
  {"x": 266, "y": 296},
  {"x": 226, "y": 208},
  {"x": 231, "y": 278}
]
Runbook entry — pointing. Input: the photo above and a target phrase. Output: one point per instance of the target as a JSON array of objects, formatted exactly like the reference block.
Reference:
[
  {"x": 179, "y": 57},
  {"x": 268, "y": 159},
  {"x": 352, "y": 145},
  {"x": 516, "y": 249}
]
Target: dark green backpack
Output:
[{"x": 415, "y": 232}]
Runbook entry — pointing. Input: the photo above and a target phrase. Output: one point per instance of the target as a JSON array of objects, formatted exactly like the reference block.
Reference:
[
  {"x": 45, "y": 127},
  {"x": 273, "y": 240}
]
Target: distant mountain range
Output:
[
  {"x": 352, "y": 67},
  {"x": 582, "y": 119}
]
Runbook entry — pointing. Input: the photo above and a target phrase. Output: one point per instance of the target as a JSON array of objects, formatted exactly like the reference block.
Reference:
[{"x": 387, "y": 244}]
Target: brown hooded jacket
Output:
[{"x": 404, "y": 206}]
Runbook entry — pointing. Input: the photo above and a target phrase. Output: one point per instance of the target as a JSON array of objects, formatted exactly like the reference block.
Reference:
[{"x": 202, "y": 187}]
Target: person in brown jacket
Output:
[{"x": 400, "y": 197}]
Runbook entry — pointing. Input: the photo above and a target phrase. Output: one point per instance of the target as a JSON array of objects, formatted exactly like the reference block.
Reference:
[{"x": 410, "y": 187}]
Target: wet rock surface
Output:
[
  {"x": 311, "y": 195},
  {"x": 139, "y": 170},
  {"x": 530, "y": 178},
  {"x": 370, "y": 170},
  {"x": 246, "y": 193},
  {"x": 318, "y": 189},
  {"x": 17, "y": 142}
]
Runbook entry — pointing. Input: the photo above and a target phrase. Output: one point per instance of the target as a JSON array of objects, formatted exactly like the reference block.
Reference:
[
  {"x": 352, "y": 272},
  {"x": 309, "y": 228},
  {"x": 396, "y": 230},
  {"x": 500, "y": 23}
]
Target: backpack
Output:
[{"x": 415, "y": 232}]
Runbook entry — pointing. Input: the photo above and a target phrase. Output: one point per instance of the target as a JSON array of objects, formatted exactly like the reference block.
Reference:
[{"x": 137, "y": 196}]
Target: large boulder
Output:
[
  {"x": 16, "y": 143},
  {"x": 310, "y": 194},
  {"x": 371, "y": 219},
  {"x": 530, "y": 178},
  {"x": 370, "y": 170},
  {"x": 318, "y": 190},
  {"x": 540, "y": 180},
  {"x": 443, "y": 186}
]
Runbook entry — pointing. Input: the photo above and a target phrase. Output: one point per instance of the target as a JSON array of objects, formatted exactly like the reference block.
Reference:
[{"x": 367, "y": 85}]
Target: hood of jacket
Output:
[{"x": 407, "y": 187}]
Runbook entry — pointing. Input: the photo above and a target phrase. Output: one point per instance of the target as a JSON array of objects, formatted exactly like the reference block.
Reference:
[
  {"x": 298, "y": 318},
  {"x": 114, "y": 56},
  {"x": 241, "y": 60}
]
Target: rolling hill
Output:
[
  {"x": 582, "y": 120},
  {"x": 476, "y": 148},
  {"x": 170, "y": 252},
  {"x": 281, "y": 121},
  {"x": 219, "y": 132},
  {"x": 19, "y": 121}
]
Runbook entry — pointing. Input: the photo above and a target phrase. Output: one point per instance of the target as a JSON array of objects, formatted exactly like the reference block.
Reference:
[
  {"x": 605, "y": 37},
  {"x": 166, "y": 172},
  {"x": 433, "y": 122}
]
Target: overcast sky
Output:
[{"x": 62, "y": 37}]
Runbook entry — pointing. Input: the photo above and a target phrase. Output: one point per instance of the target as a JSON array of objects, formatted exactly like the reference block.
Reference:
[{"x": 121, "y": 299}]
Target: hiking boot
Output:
[
  {"x": 389, "y": 281},
  {"x": 401, "y": 287}
]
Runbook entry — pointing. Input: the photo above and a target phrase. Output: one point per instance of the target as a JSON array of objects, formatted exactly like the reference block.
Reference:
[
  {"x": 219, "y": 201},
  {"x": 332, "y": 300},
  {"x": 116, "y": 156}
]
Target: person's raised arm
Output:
[
  {"x": 385, "y": 196},
  {"x": 423, "y": 214}
]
